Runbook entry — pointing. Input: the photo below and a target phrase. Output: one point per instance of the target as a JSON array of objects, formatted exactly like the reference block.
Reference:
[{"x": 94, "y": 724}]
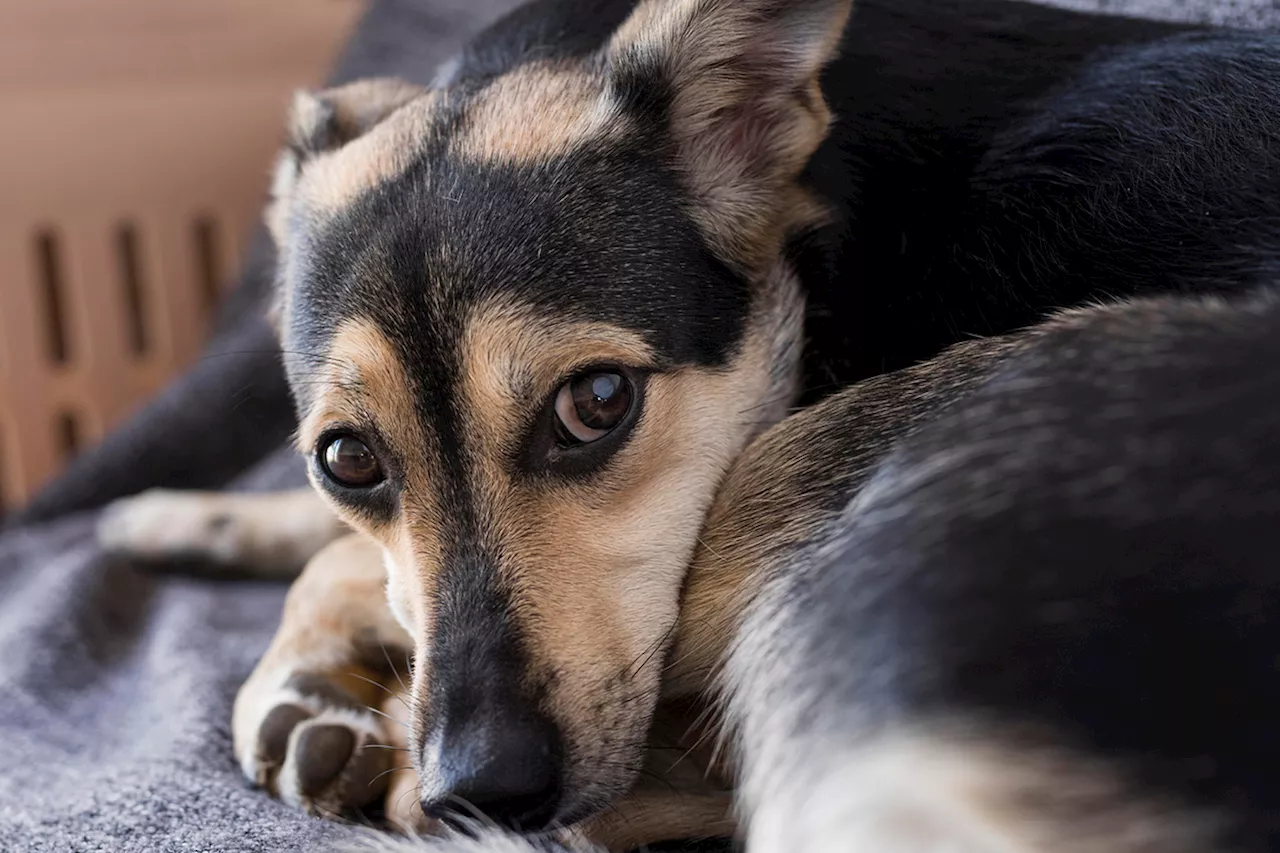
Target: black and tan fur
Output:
[{"x": 744, "y": 206}]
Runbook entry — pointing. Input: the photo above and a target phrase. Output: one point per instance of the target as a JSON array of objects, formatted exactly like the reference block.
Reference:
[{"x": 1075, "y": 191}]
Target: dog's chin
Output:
[
  {"x": 588, "y": 802},
  {"x": 594, "y": 786}
]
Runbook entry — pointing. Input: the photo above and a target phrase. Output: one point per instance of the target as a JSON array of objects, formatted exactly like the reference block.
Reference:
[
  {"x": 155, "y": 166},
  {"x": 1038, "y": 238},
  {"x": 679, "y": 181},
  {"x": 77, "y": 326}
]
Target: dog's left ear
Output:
[
  {"x": 321, "y": 122},
  {"x": 738, "y": 82},
  {"x": 325, "y": 121}
]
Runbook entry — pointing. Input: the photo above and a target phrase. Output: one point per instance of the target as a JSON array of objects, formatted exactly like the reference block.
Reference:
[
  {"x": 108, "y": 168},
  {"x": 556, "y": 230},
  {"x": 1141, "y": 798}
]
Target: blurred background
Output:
[{"x": 136, "y": 139}]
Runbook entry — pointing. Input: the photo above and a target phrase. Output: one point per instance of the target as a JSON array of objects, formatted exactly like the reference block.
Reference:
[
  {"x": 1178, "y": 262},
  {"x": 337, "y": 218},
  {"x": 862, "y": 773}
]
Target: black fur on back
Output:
[{"x": 995, "y": 160}]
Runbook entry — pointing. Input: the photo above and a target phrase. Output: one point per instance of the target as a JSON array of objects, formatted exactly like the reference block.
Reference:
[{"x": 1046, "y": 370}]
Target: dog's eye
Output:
[
  {"x": 590, "y": 404},
  {"x": 349, "y": 462}
]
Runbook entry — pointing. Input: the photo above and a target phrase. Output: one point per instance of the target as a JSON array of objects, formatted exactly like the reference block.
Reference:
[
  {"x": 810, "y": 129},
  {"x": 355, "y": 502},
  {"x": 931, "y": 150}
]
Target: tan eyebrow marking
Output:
[{"x": 536, "y": 112}]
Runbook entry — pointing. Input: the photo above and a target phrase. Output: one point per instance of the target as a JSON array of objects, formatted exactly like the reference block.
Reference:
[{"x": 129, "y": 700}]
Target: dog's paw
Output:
[
  {"x": 270, "y": 534},
  {"x": 317, "y": 747},
  {"x": 161, "y": 524}
]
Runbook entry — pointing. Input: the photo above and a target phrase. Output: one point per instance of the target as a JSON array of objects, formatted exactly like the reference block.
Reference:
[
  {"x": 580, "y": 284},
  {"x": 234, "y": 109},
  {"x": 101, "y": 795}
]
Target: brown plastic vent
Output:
[{"x": 138, "y": 138}]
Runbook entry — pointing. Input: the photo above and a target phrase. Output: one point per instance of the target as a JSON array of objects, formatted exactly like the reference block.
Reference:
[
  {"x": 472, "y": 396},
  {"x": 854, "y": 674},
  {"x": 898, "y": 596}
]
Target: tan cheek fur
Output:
[
  {"x": 601, "y": 563},
  {"x": 365, "y": 382}
]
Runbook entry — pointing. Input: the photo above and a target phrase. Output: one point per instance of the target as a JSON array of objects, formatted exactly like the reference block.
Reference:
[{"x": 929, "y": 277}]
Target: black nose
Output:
[{"x": 505, "y": 768}]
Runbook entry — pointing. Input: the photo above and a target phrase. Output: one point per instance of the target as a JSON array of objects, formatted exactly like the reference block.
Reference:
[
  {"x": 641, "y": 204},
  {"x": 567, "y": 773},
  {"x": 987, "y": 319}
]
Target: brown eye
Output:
[
  {"x": 349, "y": 462},
  {"x": 591, "y": 404}
]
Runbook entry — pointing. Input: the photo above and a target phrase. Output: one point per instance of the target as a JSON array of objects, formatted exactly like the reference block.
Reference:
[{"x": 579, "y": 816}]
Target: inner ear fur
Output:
[{"x": 740, "y": 84}]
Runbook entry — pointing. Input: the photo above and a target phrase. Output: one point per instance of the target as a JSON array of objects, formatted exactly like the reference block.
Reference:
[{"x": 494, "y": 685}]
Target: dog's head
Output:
[{"x": 529, "y": 322}]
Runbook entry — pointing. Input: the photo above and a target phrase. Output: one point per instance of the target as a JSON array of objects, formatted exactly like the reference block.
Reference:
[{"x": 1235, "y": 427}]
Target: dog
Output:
[{"x": 686, "y": 356}]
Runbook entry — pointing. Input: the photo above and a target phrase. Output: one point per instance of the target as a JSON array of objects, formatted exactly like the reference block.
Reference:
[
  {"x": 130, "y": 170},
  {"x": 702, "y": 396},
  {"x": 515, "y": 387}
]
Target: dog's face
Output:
[{"x": 529, "y": 322}]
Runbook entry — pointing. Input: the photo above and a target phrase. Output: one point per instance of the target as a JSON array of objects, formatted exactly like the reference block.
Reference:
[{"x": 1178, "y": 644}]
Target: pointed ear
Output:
[
  {"x": 738, "y": 81},
  {"x": 325, "y": 121},
  {"x": 322, "y": 121}
]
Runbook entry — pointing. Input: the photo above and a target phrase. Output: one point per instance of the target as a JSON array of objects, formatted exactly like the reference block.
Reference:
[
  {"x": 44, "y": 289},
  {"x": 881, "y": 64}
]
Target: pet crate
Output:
[{"x": 136, "y": 145}]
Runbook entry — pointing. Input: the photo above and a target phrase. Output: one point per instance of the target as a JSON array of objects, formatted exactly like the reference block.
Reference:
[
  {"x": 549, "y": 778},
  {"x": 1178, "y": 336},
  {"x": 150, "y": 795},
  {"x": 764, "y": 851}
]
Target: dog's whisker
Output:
[
  {"x": 389, "y": 770},
  {"x": 416, "y": 789},
  {"x": 699, "y": 722},
  {"x": 714, "y": 552},
  {"x": 395, "y": 720},
  {"x": 705, "y": 717},
  {"x": 675, "y": 662},
  {"x": 386, "y": 654},
  {"x": 771, "y": 402},
  {"x": 722, "y": 737},
  {"x": 619, "y": 813},
  {"x": 368, "y": 680},
  {"x": 632, "y": 671},
  {"x": 657, "y": 777},
  {"x": 475, "y": 812},
  {"x": 688, "y": 752}
]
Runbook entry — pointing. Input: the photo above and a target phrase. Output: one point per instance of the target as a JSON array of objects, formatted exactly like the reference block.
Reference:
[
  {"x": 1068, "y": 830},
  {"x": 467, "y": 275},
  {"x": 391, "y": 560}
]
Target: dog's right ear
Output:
[
  {"x": 737, "y": 82},
  {"x": 320, "y": 122}
]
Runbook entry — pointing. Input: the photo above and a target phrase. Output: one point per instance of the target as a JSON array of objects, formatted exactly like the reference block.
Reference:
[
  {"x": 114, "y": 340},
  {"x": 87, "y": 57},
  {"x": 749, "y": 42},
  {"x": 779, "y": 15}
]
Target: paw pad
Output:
[{"x": 321, "y": 749}]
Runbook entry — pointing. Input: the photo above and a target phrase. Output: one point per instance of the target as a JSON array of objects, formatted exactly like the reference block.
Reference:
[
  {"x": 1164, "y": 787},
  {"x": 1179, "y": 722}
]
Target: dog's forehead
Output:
[
  {"x": 527, "y": 114},
  {"x": 597, "y": 233}
]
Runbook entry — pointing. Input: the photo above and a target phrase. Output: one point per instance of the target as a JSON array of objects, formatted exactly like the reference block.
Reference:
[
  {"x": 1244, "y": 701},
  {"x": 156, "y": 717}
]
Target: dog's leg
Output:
[
  {"x": 904, "y": 762},
  {"x": 320, "y": 722},
  {"x": 957, "y": 787},
  {"x": 1006, "y": 636},
  {"x": 323, "y": 720},
  {"x": 271, "y": 534}
]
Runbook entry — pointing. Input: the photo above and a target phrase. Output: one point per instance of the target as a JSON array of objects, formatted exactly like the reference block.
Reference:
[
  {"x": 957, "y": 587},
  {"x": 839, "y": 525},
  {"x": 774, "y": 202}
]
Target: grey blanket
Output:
[{"x": 116, "y": 686}]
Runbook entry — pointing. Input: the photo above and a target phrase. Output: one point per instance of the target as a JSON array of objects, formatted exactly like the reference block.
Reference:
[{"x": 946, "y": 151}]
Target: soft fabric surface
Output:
[{"x": 115, "y": 686}]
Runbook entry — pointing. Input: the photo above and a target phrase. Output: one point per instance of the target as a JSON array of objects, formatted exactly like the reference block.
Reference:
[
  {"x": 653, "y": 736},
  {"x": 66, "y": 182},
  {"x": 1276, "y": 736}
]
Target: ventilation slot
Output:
[
  {"x": 208, "y": 270},
  {"x": 132, "y": 287},
  {"x": 68, "y": 435},
  {"x": 49, "y": 262}
]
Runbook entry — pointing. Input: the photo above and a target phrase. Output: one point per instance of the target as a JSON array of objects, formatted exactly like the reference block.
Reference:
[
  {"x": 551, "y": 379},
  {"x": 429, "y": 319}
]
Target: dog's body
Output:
[{"x": 938, "y": 604}]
